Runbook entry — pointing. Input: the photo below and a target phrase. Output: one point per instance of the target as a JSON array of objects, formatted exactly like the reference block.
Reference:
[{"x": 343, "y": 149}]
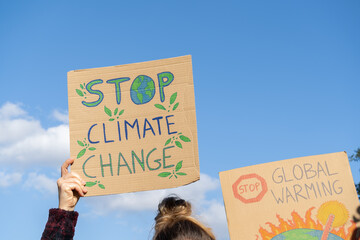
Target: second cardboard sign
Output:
[{"x": 303, "y": 198}]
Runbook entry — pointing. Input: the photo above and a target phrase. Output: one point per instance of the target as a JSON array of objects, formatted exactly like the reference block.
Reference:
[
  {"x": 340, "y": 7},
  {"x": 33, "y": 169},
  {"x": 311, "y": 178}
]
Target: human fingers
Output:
[
  {"x": 75, "y": 176},
  {"x": 73, "y": 179},
  {"x": 80, "y": 190},
  {"x": 78, "y": 177},
  {"x": 66, "y": 164},
  {"x": 73, "y": 184}
]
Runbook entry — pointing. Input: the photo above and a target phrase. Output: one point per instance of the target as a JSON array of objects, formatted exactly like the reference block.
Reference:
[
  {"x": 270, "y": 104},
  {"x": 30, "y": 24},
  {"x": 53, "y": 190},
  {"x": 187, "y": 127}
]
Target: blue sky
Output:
[{"x": 273, "y": 80}]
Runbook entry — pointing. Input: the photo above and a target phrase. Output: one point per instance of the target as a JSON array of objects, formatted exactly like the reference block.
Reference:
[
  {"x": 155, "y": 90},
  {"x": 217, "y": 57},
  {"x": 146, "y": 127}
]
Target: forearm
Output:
[{"x": 61, "y": 225}]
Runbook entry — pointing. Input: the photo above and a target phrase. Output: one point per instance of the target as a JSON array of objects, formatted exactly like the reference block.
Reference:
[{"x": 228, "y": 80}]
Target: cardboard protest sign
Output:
[
  {"x": 133, "y": 127},
  {"x": 302, "y": 198}
]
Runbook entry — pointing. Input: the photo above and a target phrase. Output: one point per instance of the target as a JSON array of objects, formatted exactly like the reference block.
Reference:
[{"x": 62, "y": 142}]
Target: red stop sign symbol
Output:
[{"x": 249, "y": 188}]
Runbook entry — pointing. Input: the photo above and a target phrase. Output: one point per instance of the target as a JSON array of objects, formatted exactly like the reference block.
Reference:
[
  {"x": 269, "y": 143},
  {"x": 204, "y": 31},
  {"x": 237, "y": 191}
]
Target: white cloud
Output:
[
  {"x": 8, "y": 179},
  {"x": 49, "y": 147},
  {"x": 15, "y": 124},
  {"x": 24, "y": 141},
  {"x": 41, "y": 182},
  {"x": 13, "y": 130},
  {"x": 62, "y": 117},
  {"x": 10, "y": 110}
]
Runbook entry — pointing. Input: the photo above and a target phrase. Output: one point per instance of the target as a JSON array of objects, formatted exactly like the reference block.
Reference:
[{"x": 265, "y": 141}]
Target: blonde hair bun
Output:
[
  {"x": 174, "y": 221},
  {"x": 174, "y": 207}
]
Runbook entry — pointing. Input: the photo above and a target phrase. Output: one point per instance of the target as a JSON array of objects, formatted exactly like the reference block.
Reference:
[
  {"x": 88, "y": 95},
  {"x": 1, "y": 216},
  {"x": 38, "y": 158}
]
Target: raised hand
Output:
[{"x": 70, "y": 187}]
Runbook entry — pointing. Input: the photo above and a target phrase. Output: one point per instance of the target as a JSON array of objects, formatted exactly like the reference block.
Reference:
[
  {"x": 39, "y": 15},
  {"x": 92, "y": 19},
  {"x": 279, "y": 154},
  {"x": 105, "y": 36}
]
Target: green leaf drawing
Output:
[
  {"x": 82, "y": 87},
  {"x": 159, "y": 106},
  {"x": 175, "y": 106},
  {"x": 92, "y": 148},
  {"x": 178, "y": 144},
  {"x": 173, "y": 98},
  {"x": 174, "y": 172},
  {"x": 111, "y": 119},
  {"x": 79, "y": 92},
  {"x": 121, "y": 112},
  {"x": 90, "y": 184},
  {"x": 164, "y": 174},
  {"x": 101, "y": 186},
  {"x": 116, "y": 110},
  {"x": 168, "y": 141},
  {"x": 81, "y": 153},
  {"x": 181, "y": 173},
  {"x": 107, "y": 111},
  {"x": 80, "y": 143},
  {"x": 185, "y": 139},
  {"x": 178, "y": 166}
]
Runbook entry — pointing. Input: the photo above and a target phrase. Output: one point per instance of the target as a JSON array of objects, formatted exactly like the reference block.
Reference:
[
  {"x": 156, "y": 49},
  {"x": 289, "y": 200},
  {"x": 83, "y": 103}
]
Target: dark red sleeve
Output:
[{"x": 60, "y": 225}]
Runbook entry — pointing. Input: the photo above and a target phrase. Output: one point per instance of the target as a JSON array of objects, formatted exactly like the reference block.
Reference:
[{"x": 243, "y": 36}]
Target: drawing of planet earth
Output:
[
  {"x": 142, "y": 89},
  {"x": 304, "y": 234}
]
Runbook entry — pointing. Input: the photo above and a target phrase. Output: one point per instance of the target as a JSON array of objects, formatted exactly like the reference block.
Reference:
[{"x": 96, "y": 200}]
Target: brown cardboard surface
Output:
[
  {"x": 302, "y": 198},
  {"x": 133, "y": 127}
]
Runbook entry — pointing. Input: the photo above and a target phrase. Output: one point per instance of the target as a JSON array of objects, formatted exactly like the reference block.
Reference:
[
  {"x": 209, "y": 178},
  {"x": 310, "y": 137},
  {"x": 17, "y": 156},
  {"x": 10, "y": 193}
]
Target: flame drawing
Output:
[{"x": 329, "y": 224}]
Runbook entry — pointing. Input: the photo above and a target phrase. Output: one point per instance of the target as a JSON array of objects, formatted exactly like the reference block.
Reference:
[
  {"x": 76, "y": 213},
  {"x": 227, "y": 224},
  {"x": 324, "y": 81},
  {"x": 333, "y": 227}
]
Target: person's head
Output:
[{"x": 174, "y": 222}]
